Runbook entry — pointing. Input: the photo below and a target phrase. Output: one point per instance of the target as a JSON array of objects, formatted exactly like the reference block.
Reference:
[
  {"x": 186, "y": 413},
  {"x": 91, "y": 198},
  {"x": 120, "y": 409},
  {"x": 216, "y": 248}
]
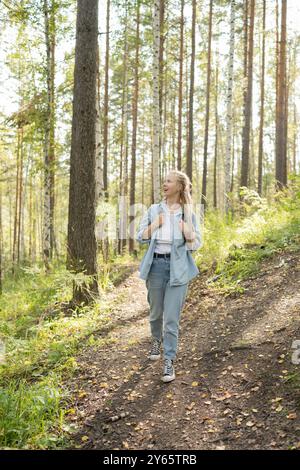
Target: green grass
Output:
[
  {"x": 32, "y": 415},
  {"x": 41, "y": 344}
]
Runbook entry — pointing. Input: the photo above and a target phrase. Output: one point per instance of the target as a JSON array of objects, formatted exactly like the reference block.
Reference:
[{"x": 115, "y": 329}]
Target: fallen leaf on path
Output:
[
  {"x": 250, "y": 424},
  {"x": 191, "y": 406},
  {"x": 276, "y": 400},
  {"x": 104, "y": 385},
  {"x": 223, "y": 397},
  {"x": 292, "y": 416}
]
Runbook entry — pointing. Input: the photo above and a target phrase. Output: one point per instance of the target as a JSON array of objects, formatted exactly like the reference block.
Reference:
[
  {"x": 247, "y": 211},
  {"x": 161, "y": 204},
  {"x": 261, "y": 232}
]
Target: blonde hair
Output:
[{"x": 185, "y": 197}]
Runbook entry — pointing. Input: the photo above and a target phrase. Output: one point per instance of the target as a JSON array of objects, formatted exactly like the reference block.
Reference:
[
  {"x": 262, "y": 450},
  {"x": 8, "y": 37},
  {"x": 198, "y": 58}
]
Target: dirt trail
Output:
[{"x": 234, "y": 358}]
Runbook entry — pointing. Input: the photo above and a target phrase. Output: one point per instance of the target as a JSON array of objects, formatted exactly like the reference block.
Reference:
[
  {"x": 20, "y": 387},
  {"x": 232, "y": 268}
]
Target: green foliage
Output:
[
  {"x": 31, "y": 416},
  {"x": 234, "y": 248}
]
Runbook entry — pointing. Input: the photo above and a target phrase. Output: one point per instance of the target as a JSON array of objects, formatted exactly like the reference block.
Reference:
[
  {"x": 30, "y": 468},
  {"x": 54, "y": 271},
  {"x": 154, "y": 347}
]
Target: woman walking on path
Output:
[{"x": 171, "y": 229}]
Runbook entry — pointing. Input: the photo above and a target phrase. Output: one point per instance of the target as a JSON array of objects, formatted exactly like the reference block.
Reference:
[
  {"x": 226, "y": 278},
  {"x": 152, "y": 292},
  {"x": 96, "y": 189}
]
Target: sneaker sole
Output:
[
  {"x": 154, "y": 358},
  {"x": 168, "y": 378}
]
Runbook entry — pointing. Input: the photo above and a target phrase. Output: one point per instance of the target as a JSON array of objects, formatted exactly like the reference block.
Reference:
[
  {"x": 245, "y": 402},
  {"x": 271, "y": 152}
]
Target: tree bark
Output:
[
  {"x": 134, "y": 128},
  {"x": 156, "y": 101},
  {"x": 229, "y": 108},
  {"x": 105, "y": 107},
  {"x": 248, "y": 103},
  {"x": 81, "y": 246},
  {"x": 208, "y": 80},
  {"x": 180, "y": 88},
  {"x": 281, "y": 124},
  {"x": 262, "y": 102},
  {"x": 189, "y": 156}
]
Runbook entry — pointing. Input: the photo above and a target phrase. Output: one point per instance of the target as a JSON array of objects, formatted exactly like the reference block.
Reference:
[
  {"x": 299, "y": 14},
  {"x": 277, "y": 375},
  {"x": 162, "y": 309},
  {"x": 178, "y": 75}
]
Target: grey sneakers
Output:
[
  {"x": 169, "y": 371},
  {"x": 155, "y": 350},
  {"x": 154, "y": 355}
]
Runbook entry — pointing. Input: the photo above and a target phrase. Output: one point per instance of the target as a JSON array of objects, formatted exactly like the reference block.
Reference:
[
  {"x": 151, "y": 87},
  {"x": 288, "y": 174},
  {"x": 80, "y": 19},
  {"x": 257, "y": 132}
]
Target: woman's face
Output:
[{"x": 171, "y": 187}]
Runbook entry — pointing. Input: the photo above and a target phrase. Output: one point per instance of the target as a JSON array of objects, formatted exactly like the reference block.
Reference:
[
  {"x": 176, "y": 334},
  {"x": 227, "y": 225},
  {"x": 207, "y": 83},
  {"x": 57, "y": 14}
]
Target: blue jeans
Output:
[{"x": 165, "y": 303}]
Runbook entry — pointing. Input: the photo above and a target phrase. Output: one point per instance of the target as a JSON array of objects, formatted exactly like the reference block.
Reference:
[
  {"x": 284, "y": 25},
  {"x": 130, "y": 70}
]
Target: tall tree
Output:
[
  {"x": 156, "y": 100},
  {"x": 248, "y": 102},
  {"x": 207, "y": 109},
  {"x": 105, "y": 106},
  {"x": 229, "y": 114},
  {"x": 294, "y": 109},
  {"x": 215, "y": 198},
  {"x": 262, "y": 103},
  {"x": 134, "y": 126},
  {"x": 18, "y": 199},
  {"x": 161, "y": 70},
  {"x": 47, "y": 139},
  {"x": 190, "y": 142},
  {"x": 123, "y": 181},
  {"x": 82, "y": 248},
  {"x": 281, "y": 117},
  {"x": 180, "y": 88}
]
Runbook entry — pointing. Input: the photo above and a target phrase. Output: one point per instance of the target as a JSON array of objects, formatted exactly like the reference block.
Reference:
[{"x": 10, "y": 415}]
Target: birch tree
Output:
[
  {"x": 281, "y": 118},
  {"x": 134, "y": 126},
  {"x": 190, "y": 143},
  {"x": 47, "y": 174},
  {"x": 207, "y": 107},
  {"x": 180, "y": 88},
  {"x": 156, "y": 113},
  {"x": 248, "y": 102},
  {"x": 262, "y": 102},
  {"x": 229, "y": 115}
]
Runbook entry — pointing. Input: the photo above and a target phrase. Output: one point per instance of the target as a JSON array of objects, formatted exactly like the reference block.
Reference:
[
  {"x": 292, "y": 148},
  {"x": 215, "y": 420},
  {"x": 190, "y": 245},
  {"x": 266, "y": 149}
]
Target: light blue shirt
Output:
[{"x": 182, "y": 265}]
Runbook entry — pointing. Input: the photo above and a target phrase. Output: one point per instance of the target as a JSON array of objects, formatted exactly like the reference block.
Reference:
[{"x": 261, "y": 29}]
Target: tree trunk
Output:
[
  {"x": 208, "y": 80},
  {"x": 281, "y": 122},
  {"x": 124, "y": 147},
  {"x": 215, "y": 197},
  {"x": 180, "y": 89},
  {"x": 248, "y": 103},
  {"x": 105, "y": 107},
  {"x": 15, "y": 251},
  {"x": 262, "y": 103},
  {"x": 161, "y": 74},
  {"x": 47, "y": 137},
  {"x": 156, "y": 101},
  {"x": 134, "y": 129},
  {"x": 229, "y": 108},
  {"x": 82, "y": 248},
  {"x": 189, "y": 156},
  {"x": 52, "y": 123}
]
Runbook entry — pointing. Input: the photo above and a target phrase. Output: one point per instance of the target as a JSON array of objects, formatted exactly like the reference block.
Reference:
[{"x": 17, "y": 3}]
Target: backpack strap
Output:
[{"x": 182, "y": 218}]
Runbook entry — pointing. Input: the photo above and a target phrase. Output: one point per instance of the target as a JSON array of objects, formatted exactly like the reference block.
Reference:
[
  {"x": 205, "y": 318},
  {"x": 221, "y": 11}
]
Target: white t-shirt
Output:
[{"x": 165, "y": 232}]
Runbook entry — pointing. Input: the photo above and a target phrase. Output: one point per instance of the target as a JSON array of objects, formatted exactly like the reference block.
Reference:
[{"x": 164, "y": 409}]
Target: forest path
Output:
[{"x": 234, "y": 360}]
